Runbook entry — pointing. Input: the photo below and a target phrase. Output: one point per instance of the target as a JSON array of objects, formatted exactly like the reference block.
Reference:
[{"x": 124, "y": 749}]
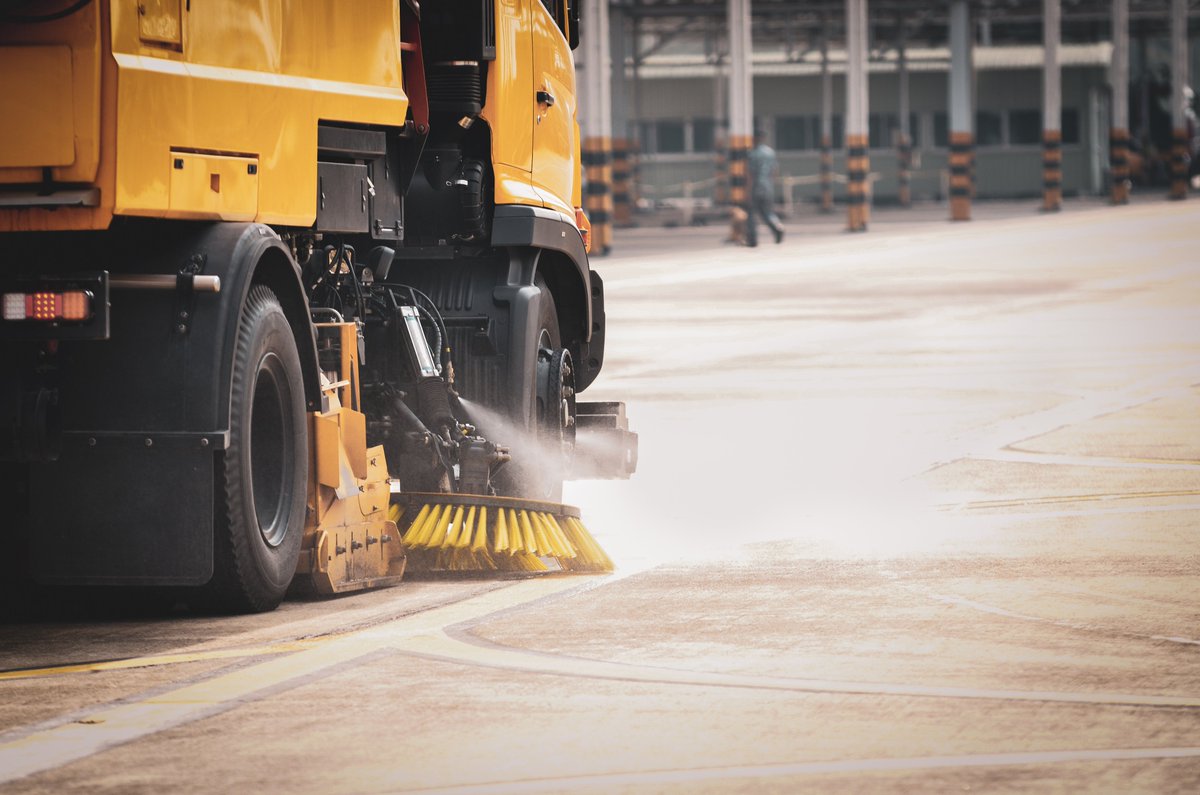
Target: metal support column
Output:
[
  {"x": 1118, "y": 136},
  {"x": 1179, "y": 77},
  {"x": 962, "y": 138},
  {"x": 597, "y": 126},
  {"x": 721, "y": 121},
  {"x": 857, "y": 162},
  {"x": 741, "y": 111},
  {"x": 904, "y": 136},
  {"x": 826, "y": 122},
  {"x": 1051, "y": 107},
  {"x": 634, "y": 124},
  {"x": 622, "y": 146}
]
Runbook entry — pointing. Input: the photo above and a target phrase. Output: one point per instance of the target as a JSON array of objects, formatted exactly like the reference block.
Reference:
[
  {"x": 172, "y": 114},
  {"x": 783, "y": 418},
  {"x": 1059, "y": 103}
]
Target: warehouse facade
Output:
[{"x": 675, "y": 107}]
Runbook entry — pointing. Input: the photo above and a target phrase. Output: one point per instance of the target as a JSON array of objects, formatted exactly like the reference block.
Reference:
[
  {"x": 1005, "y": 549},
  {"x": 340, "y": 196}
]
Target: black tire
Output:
[
  {"x": 262, "y": 491},
  {"x": 473, "y": 201},
  {"x": 542, "y": 478}
]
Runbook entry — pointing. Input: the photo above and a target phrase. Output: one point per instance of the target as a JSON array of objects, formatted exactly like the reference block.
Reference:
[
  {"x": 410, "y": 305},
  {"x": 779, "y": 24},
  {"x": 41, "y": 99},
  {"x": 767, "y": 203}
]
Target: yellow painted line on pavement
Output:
[
  {"x": 59, "y": 745},
  {"x": 1016, "y": 454},
  {"x": 983, "y": 607},
  {"x": 1017, "y": 502},
  {"x": 443, "y": 647},
  {"x": 157, "y": 660},
  {"x": 647, "y": 779}
]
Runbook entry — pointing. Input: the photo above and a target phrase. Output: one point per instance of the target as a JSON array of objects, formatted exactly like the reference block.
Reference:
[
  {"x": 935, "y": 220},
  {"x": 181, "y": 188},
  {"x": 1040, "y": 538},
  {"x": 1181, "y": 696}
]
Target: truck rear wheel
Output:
[{"x": 260, "y": 517}]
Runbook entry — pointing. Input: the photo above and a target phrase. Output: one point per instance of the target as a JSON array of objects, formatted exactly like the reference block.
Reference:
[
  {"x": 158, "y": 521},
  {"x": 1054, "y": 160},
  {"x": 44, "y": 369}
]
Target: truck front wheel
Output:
[{"x": 265, "y": 472}]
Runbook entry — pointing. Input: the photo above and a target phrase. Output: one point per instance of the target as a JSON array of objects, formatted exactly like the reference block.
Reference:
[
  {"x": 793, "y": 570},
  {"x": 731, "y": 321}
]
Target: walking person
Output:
[{"x": 763, "y": 167}]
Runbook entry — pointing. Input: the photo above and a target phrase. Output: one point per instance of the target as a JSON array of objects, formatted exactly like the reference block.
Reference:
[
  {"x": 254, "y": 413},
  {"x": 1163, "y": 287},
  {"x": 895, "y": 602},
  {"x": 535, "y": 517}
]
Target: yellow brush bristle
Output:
[
  {"x": 415, "y": 527},
  {"x": 531, "y": 544},
  {"x": 516, "y": 538},
  {"x": 590, "y": 553},
  {"x": 452, "y": 537},
  {"x": 452, "y": 533},
  {"x": 464, "y": 537},
  {"x": 502, "y": 544},
  {"x": 480, "y": 543}
]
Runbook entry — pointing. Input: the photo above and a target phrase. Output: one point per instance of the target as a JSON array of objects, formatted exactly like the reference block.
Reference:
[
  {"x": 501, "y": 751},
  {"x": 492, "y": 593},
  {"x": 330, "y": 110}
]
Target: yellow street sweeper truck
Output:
[{"x": 294, "y": 290}]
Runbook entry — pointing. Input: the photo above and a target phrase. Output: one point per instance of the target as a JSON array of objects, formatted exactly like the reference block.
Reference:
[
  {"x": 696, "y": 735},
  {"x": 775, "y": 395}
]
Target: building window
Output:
[
  {"x": 881, "y": 129},
  {"x": 837, "y": 133},
  {"x": 803, "y": 133},
  {"x": 1070, "y": 126},
  {"x": 941, "y": 130},
  {"x": 645, "y": 137},
  {"x": 669, "y": 137},
  {"x": 793, "y": 133},
  {"x": 703, "y": 135},
  {"x": 914, "y": 129},
  {"x": 1024, "y": 127},
  {"x": 989, "y": 129}
]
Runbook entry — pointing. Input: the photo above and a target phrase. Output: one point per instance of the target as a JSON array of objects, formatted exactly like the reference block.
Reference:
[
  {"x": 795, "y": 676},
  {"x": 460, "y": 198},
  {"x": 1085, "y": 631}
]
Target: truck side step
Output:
[{"x": 605, "y": 448}]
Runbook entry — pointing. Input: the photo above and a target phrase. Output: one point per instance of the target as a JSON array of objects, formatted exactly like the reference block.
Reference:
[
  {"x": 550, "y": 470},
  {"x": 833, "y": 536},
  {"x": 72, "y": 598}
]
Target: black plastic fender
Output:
[
  {"x": 244, "y": 255},
  {"x": 578, "y": 291}
]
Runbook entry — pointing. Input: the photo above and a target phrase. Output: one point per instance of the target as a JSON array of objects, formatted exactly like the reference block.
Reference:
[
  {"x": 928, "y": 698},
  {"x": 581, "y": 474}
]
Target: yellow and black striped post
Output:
[
  {"x": 598, "y": 202},
  {"x": 635, "y": 172},
  {"x": 826, "y": 174},
  {"x": 1051, "y": 170},
  {"x": 739, "y": 176},
  {"x": 1118, "y": 162},
  {"x": 904, "y": 172},
  {"x": 972, "y": 160},
  {"x": 622, "y": 176},
  {"x": 1179, "y": 161},
  {"x": 857, "y": 167},
  {"x": 962, "y": 146}
]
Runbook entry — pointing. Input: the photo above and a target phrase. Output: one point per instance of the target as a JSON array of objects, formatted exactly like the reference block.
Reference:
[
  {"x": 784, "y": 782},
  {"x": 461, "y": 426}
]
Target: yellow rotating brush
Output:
[{"x": 470, "y": 533}]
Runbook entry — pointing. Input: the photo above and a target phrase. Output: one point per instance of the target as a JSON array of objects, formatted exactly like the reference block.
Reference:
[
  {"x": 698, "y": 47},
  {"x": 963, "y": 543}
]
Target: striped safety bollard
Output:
[
  {"x": 826, "y": 174},
  {"x": 739, "y": 184},
  {"x": 857, "y": 167},
  {"x": 962, "y": 144},
  {"x": 622, "y": 177},
  {"x": 904, "y": 174},
  {"x": 598, "y": 203},
  {"x": 1179, "y": 164},
  {"x": 1051, "y": 170},
  {"x": 1118, "y": 161}
]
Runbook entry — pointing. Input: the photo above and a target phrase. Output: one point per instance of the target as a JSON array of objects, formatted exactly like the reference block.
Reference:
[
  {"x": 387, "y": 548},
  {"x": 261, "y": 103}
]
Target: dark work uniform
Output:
[{"x": 762, "y": 164}]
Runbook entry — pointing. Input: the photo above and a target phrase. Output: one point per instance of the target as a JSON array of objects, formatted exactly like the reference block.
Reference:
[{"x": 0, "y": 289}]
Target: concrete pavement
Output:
[{"x": 917, "y": 511}]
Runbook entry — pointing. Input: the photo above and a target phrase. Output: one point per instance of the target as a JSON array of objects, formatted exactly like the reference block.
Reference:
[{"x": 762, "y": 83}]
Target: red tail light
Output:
[{"x": 48, "y": 307}]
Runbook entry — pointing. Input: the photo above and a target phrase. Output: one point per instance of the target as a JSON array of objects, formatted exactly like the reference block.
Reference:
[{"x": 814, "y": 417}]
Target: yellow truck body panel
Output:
[
  {"x": 115, "y": 96},
  {"x": 224, "y": 79}
]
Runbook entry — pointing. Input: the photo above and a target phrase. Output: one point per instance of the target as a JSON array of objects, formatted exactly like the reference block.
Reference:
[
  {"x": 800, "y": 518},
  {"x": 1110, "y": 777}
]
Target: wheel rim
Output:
[
  {"x": 269, "y": 450},
  {"x": 556, "y": 400}
]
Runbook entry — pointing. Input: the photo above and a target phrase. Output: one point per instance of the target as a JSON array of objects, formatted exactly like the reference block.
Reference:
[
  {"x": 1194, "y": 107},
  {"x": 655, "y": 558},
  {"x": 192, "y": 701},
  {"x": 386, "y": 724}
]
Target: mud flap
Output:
[{"x": 116, "y": 510}]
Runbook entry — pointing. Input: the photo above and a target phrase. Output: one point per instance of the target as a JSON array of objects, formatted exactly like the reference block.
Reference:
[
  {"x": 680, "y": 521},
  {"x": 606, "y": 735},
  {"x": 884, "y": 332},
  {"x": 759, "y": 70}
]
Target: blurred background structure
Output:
[{"x": 963, "y": 100}]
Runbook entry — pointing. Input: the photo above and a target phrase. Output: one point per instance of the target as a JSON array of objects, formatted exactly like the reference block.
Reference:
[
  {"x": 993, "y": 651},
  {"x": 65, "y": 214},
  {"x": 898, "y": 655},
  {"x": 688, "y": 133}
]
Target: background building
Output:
[{"x": 671, "y": 76}]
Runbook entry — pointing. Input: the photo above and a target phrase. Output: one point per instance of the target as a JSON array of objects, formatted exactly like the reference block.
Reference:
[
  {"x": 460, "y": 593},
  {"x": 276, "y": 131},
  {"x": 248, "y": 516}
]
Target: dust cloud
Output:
[{"x": 833, "y": 481}]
